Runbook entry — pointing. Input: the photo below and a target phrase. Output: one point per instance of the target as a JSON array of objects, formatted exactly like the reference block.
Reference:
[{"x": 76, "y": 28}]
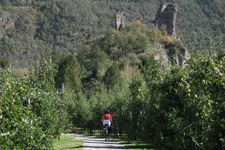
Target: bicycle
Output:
[{"x": 106, "y": 132}]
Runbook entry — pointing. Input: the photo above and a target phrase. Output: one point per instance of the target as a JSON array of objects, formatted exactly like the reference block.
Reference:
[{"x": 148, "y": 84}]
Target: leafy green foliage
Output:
[
  {"x": 186, "y": 103},
  {"x": 136, "y": 106},
  {"x": 4, "y": 63},
  {"x": 112, "y": 76},
  {"x": 128, "y": 47},
  {"x": 69, "y": 73},
  {"x": 29, "y": 109},
  {"x": 93, "y": 59},
  {"x": 179, "y": 108}
]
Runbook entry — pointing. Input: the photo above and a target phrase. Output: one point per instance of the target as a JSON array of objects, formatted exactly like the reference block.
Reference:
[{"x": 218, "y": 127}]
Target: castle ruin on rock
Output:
[
  {"x": 166, "y": 18},
  {"x": 120, "y": 20},
  {"x": 165, "y": 21}
]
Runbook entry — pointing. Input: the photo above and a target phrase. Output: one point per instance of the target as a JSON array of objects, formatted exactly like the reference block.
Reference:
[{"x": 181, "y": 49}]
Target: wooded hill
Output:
[
  {"x": 29, "y": 28},
  {"x": 164, "y": 103}
]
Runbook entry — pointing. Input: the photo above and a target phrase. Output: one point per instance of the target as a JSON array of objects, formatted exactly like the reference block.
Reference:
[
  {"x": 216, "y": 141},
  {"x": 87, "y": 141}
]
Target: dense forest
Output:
[
  {"x": 29, "y": 27},
  {"x": 63, "y": 64}
]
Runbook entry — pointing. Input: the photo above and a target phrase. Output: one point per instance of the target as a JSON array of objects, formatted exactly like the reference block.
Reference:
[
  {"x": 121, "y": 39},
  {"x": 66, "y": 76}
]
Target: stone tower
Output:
[
  {"x": 166, "y": 18},
  {"x": 120, "y": 20}
]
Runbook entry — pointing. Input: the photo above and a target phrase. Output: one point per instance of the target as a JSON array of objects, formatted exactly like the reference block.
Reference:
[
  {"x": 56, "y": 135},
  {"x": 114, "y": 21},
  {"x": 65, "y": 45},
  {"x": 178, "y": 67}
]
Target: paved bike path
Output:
[{"x": 93, "y": 143}]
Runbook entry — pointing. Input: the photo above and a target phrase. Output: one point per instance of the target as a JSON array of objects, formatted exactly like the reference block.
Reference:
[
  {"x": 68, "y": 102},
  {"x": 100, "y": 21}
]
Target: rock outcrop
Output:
[
  {"x": 120, "y": 20},
  {"x": 172, "y": 54},
  {"x": 177, "y": 54},
  {"x": 166, "y": 18}
]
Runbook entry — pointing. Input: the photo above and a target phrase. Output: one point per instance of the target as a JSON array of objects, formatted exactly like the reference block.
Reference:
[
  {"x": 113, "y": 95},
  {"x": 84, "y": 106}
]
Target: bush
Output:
[{"x": 29, "y": 109}]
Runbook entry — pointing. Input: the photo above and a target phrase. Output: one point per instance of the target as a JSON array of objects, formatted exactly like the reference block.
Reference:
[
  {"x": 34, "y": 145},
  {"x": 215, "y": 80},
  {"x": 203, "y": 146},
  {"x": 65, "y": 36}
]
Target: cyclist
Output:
[{"x": 107, "y": 120}]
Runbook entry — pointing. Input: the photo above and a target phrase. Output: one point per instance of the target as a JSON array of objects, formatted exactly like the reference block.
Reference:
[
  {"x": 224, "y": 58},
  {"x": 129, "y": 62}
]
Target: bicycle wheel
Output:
[{"x": 106, "y": 133}]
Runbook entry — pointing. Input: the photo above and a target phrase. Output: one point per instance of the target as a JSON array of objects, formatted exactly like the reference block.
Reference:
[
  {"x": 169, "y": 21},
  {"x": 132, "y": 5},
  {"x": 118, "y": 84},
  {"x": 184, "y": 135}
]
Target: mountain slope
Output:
[{"x": 61, "y": 26}]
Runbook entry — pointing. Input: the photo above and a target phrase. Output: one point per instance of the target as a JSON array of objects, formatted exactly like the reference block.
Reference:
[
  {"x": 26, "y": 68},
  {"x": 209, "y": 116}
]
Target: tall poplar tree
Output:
[
  {"x": 112, "y": 76},
  {"x": 69, "y": 73}
]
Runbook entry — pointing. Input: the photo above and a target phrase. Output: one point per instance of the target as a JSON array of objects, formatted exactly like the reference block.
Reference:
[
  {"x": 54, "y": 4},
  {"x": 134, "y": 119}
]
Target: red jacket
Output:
[{"x": 107, "y": 117}]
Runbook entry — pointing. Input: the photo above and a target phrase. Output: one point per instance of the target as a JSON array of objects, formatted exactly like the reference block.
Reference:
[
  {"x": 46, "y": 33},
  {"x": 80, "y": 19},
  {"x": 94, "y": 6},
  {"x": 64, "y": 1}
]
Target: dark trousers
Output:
[{"x": 109, "y": 130}]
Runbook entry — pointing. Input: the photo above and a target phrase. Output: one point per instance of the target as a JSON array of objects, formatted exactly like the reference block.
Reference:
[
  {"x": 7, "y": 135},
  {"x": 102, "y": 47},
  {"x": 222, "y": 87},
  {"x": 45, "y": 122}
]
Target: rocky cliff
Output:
[{"x": 166, "y": 18}]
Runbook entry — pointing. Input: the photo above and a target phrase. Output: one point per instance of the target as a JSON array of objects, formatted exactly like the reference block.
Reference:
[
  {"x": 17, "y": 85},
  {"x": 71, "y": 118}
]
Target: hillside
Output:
[
  {"x": 79, "y": 63},
  {"x": 29, "y": 28}
]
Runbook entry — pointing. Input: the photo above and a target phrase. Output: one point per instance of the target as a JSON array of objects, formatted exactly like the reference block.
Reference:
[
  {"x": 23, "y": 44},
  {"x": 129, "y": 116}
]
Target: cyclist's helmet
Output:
[{"x": 107, "y": 111}]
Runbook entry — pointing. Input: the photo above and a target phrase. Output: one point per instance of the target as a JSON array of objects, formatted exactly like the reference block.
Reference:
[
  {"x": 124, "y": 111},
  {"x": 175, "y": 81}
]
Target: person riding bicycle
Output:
[{"x": 107, "y": 120}]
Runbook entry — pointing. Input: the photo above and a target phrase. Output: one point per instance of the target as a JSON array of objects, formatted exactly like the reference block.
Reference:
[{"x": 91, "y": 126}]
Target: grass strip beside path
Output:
[{"x": 67, "y": 142}]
